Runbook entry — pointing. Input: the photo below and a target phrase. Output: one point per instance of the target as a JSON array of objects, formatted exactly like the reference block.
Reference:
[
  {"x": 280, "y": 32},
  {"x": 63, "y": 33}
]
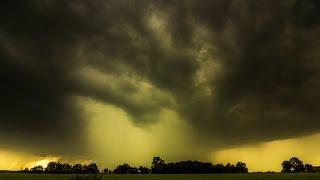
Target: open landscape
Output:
[
  {"x": 159, "y": 89},
  {"x": 276, "y": 176},
  {"x": 293, "y": 169}
]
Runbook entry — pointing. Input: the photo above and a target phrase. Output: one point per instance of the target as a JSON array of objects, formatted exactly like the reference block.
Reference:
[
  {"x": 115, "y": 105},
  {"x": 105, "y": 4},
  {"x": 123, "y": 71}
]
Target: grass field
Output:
[{"x": 312, "y": 176}]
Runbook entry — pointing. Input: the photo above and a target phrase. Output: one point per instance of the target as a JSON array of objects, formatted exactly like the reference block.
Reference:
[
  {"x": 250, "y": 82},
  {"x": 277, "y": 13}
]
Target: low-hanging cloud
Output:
[{"x": 235, "y": 71}]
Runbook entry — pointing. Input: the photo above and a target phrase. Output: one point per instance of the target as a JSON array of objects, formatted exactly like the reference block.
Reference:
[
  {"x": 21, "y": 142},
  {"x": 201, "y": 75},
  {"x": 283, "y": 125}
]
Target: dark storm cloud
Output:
[{"x": 265, "y": 87}]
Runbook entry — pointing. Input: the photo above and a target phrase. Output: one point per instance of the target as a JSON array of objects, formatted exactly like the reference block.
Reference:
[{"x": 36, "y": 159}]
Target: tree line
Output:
[
  {"x": 295, "y": 165},
  {"x": 64, "y": 168},
  {"x": 159, "y": 166}
]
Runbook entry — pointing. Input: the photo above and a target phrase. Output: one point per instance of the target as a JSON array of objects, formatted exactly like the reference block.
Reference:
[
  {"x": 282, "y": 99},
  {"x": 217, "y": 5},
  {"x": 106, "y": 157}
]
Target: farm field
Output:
[{"x": 277, "y": 176}]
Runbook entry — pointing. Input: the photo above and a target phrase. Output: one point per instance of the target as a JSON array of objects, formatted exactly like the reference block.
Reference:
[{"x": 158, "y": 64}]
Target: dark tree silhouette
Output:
[
  {"x": 134, "y": 170},
  {"x": 158, "y": 165},
  {"x": 241, "y": 167},
  {"x": 144, "y": 170},
  {"x": 26, "y": 170},
  {"x": 293, "y": 165},
  {"x": 65, "y": 168},
  {"x": 229, "y": 168},
  {"x": 51, "y": 167},
  {"x": 219, "y": 168},
  {"x": 286, "y": 167},
  {"x": 37, "y": 169},
  {"x": 127, "y": 169},
  {"x": 297, "y": 164},
  {"x": 105, "y": 171},
  {"x": 91, "y": 168},
  {"x": 122, "y": 169},
  {"x": 77, "y": 169},
  {"x": 308, "y": 168},
  {"x": 58, "y": 168}
]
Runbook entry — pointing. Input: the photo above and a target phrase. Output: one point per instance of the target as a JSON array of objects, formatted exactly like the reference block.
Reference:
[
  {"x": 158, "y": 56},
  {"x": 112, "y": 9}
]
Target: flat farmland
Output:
[{"x": 276, "y": 176}]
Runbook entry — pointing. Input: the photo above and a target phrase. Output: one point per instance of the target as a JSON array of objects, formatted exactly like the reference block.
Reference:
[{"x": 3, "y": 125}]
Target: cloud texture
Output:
[{"x": 236, "y": 71}]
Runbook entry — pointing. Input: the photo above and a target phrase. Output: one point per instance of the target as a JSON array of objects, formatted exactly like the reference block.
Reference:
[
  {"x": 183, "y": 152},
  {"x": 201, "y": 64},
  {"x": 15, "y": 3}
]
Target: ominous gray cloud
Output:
[{"x": 237, "y": 71}]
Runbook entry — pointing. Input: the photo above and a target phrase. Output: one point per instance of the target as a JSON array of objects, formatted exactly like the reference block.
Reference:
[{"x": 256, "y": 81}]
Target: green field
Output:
[{"x": 312, "y": 176}]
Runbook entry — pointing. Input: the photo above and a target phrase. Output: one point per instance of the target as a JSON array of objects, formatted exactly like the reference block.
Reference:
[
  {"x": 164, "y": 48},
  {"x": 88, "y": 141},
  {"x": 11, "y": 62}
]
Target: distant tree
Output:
[
  {"x": 293, "y": 165},
  {"x": 51, "y": 167},
  {"x": 26, "y": 170},
  {"x": 207, "y": 167},
  {"x": 229, "y": 168},
  {"x": 126, "y": 169},
  {"x": 58, "y": 168},
  {"x": 241, "y": 167},
  {"x": 91, "y": 168},
  {"x": 308, "y": 168},
  {"x": 122, "y": 169},
  {"x": 77, "y": 169},
  {"x": 297, "y": 164},
  {"x": 144, "y": 170},
  {"x": 134, "y": 170},
  {"x": 219, "y": 168},
  {"x": 158, "y": 165},
  {"x": 286, "y": 167},
  {"x": 37, "y": 169},
  {"x": 67, "y": 168},
  {"x": 105, "y": 171}
]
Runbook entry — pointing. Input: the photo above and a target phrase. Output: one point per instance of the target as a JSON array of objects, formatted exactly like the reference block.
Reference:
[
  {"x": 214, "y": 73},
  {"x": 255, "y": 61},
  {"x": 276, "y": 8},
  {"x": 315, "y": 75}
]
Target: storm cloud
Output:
[{"x": 236, "y": 71}]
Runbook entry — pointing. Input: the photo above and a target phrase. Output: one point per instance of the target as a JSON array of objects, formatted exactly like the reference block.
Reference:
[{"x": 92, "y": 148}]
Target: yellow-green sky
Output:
[{"x": 114, "y": 142}]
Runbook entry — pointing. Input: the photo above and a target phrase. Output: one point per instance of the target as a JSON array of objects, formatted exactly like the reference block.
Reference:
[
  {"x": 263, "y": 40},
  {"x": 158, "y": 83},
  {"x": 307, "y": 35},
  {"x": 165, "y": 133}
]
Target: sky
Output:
[{"x": 117, "y": 81}]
